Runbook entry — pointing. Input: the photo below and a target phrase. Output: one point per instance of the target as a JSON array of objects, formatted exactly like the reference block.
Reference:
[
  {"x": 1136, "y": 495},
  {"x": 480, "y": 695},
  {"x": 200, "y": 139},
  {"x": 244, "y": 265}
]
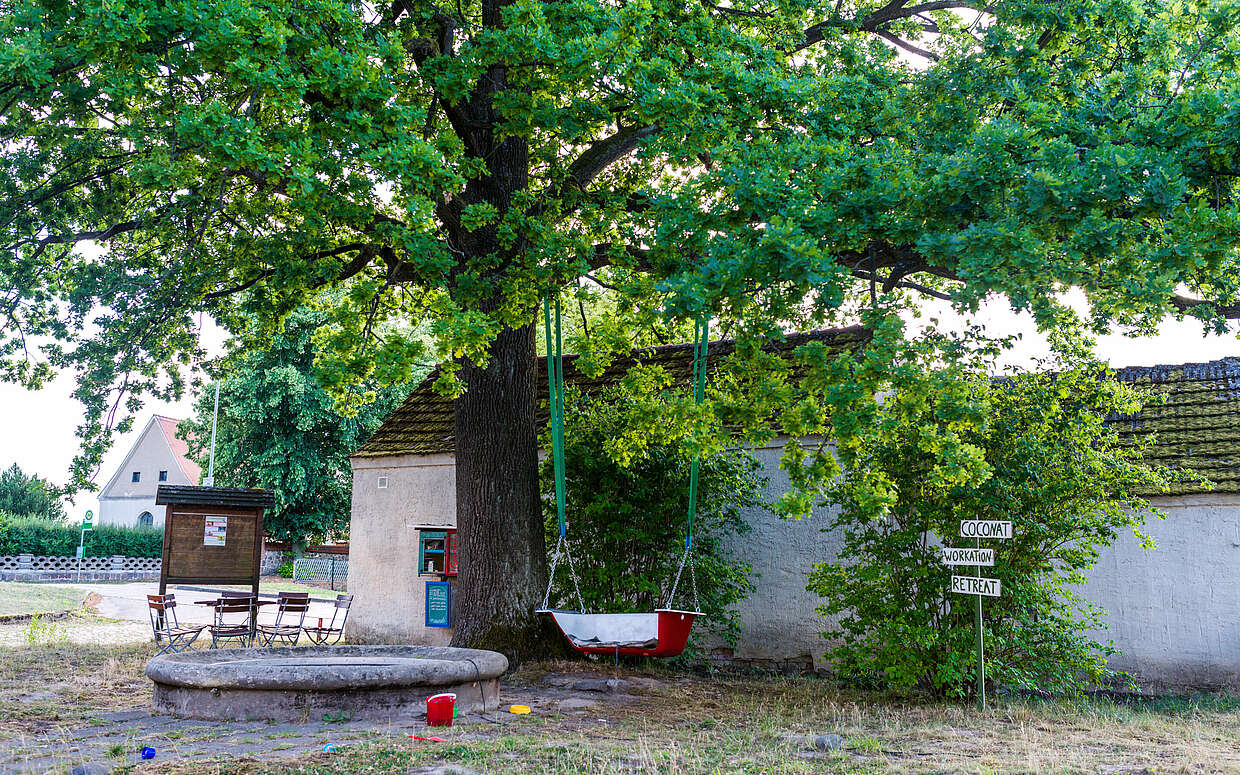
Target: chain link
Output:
[
  {"x": 697, "y": 604},
  {"x": 572, "y": 573},
  {"x": 555, "y": 561},
  {"x": 561, "y": 546},
  {"x": 686, "y": 557}
]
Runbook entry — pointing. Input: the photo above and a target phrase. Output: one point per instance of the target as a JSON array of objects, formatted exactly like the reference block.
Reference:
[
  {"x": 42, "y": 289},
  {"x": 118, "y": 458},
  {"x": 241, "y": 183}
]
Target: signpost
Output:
[
  {"x": 88, "y": 523},
  {"x": 976, "y": 584}
]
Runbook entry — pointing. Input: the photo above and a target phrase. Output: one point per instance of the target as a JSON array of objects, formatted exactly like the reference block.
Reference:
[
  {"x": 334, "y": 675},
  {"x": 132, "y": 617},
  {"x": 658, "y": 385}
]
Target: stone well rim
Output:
[{"x": 330, "y": 667}]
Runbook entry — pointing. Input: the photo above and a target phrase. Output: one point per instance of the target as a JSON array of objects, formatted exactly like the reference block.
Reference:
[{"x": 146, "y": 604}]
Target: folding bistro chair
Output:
[
  {"x": 334, "y": 631},
  {"x": 233, "y": 620},
  {"x": 290, "y": 614},
  {"x": 166, "y": 628}
]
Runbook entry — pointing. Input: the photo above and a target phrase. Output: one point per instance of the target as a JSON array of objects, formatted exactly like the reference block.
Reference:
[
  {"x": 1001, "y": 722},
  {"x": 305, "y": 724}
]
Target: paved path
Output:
[
  {"x": 125, "y": 605},
  {"x": 128, "y": 601}
]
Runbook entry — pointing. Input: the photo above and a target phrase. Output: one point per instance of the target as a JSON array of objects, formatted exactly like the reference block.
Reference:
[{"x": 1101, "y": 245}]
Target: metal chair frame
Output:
[
  {"x": 331, "y": 634},
  {"x": 222, "y": 630},
  {"x": 291, "y": 610},
  {"x": 165, "y": 627}
]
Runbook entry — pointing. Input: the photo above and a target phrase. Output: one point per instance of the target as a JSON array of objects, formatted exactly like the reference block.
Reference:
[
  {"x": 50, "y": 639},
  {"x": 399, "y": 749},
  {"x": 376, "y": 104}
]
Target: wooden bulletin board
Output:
[{"x": 212, "y": 535}]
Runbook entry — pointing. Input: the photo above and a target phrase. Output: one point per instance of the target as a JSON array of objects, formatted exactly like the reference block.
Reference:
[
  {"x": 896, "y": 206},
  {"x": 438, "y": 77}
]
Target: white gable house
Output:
[{"x": 158, "y": 457}]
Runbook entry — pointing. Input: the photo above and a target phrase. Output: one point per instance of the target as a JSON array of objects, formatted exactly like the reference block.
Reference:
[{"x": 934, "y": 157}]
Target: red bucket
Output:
[{"x": 439, "y": 710}]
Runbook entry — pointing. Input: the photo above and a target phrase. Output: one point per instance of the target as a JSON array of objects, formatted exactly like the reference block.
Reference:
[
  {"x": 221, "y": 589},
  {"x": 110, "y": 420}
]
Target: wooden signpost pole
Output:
[
  {"x": 977, "y": 585},
  {"x": 981, "y": 647}
]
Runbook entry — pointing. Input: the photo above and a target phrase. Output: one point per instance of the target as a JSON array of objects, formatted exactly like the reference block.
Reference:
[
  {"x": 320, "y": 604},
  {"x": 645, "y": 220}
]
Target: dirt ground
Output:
[
  {"x": 73, "y": 692},
  {"x": 72, "y": 703}
]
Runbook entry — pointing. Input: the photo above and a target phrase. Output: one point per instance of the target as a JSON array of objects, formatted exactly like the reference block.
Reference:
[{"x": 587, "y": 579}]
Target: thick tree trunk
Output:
[{"x": 503, "y": 559}]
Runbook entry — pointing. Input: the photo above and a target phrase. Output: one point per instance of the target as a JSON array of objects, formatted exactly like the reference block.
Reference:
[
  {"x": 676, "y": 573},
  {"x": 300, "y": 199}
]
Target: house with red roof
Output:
[{"x": 159, "y": 456}]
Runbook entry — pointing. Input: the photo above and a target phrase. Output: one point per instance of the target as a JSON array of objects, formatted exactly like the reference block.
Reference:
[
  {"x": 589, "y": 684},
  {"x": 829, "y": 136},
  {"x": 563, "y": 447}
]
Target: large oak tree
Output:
[{"x": 774, "y": 163}]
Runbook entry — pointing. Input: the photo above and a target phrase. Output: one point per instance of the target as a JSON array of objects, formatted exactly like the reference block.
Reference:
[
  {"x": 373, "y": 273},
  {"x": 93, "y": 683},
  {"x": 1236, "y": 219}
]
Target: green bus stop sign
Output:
[{"x": 88, "y": 520}]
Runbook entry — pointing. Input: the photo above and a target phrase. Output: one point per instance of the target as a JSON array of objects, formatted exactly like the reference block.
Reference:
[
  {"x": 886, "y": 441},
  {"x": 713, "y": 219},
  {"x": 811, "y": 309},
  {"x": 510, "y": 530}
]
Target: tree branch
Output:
[
  {"x": 892, "y": 11},
  {"x": 243, "y": 286},
  {"x": 605, "y": 152},
  {"x": 1228, "y": 311},
  {"x": 604, "y": 251},
  {"x": 904, "y": 44},
  {"x": 423, "y": 50},
  {"x": 592, "y": 162},
  {"x": 101, "y": 235}
]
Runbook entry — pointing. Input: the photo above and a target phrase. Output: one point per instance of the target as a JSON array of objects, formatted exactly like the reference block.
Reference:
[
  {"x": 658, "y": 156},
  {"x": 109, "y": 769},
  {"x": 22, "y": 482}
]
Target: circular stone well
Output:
[{"x": 306, "y": 682}]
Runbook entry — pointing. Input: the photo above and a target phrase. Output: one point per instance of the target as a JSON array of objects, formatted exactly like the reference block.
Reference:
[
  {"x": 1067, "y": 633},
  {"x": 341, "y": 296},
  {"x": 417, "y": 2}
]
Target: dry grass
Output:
[
  {"x": 766, "y": 725},
  {"x": 67, "y": 685},
  {"x": 20, "y": 599},
  {"x": 685, "y": 724}
]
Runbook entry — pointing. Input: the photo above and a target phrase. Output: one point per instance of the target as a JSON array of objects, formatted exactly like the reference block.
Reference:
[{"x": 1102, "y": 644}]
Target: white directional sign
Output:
[
  {"x": 975, "y": 585},
  {"x": 985, "y": 528},
  {"x": 968, "y": 556}
]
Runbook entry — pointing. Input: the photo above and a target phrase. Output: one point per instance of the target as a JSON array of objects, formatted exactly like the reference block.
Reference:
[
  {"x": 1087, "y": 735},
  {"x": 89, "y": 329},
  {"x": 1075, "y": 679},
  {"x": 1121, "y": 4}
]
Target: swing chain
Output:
[
  {"x": 555, "y": 561},
  {"x": 561, "y": 546},
  {"x": 686, "y": 557},
  {"x": 697, "y": 604},
  {"x": 572, "y": 574}
]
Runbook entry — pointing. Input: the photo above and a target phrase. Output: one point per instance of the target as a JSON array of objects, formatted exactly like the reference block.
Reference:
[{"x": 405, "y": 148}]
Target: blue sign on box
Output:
[{"x": 438, "y": 604}]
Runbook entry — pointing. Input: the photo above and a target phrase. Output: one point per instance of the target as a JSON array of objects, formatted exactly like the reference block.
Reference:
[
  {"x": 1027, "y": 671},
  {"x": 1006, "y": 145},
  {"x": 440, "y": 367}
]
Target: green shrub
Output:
[
  {"x": 285, "y": 570},
  {"x": 1035, "y": 450},
  {"x": 29, "y": 535},
  {"x": 627, "y": 523}
]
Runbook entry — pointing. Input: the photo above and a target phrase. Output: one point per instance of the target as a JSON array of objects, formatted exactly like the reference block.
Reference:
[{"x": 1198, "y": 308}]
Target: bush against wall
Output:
[
  {"x": 627, "y": 522},
  {"x": 1034, "y": 449},
  {"x": 29, "y": 535}
]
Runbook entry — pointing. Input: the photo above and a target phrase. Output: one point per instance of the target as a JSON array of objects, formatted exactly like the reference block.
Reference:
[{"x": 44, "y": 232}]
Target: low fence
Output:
[
  {"x": 329, "y": 572},
  {"x": 273, "y": 558},
  {"x": 29, "y": 567}
]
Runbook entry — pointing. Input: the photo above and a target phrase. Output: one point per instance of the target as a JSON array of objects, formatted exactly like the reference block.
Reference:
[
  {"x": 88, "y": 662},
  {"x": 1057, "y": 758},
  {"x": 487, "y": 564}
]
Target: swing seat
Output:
[{"x": 661, "y": 634}]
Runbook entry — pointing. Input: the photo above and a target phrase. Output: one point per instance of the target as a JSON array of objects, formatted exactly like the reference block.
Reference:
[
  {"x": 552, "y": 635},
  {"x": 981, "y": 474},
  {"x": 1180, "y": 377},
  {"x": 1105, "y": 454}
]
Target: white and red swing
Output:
[{"x": 663, "y": 632}]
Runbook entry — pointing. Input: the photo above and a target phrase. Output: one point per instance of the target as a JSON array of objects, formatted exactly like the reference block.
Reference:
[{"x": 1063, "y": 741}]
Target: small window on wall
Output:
[
  {"x": 145, "y": 519},
  {"x": 163, "y": 476},
  {"x": 382, "y": 482},
  {"x": 137, "y": 476},
  {"x": 437, "y": 552}
]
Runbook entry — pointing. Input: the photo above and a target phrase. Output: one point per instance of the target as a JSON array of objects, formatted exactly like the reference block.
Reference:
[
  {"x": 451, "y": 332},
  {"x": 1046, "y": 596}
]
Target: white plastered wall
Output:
[
  {"x": 389, "y": 596},
  {"x": 1173, "y": 612}
]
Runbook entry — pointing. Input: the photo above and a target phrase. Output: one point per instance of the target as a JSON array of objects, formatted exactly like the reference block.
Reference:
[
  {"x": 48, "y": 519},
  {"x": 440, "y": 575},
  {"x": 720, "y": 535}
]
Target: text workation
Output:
[{"x": 968, "y": 556}]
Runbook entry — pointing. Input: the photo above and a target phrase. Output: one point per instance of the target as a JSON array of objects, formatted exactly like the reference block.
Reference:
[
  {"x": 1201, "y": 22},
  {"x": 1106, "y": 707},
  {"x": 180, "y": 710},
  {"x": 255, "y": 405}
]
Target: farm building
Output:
[{"x": 1173, "y": 612}]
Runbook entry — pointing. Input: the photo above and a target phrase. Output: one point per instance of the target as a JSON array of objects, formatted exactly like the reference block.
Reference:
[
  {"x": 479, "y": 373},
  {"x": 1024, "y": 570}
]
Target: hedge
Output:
[{"x": 30, "y": 535}]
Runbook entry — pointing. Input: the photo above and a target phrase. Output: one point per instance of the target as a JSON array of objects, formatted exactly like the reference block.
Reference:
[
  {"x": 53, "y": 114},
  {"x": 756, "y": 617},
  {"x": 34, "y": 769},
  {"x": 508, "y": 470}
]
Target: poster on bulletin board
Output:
[
  {"x": 438, "y": 604},
  {"x": 215, "y": 531}
]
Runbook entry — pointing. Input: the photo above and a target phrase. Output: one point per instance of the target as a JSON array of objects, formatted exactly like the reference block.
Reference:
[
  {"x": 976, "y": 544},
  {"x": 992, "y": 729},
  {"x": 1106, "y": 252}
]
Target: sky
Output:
[{"x": 38, "y": 427}]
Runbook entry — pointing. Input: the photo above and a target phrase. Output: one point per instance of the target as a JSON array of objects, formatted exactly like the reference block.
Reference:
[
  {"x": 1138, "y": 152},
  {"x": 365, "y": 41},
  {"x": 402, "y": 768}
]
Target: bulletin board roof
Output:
[{"x": 235, "y": 497}]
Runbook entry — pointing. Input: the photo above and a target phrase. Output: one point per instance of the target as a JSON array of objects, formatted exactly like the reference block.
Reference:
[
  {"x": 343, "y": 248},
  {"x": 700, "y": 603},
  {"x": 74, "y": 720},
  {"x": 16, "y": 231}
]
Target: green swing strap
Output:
[
  {"x": 555, "y": 402},
  {"x": 701, "y": 338},
  {"x": 555, "y": 405},
  {"x": 701, "y": 342}
]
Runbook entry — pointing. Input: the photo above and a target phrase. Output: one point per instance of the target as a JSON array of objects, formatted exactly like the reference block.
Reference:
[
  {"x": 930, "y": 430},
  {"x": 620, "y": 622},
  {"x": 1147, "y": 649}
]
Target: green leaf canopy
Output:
[{"x": 450, "y": 163}]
